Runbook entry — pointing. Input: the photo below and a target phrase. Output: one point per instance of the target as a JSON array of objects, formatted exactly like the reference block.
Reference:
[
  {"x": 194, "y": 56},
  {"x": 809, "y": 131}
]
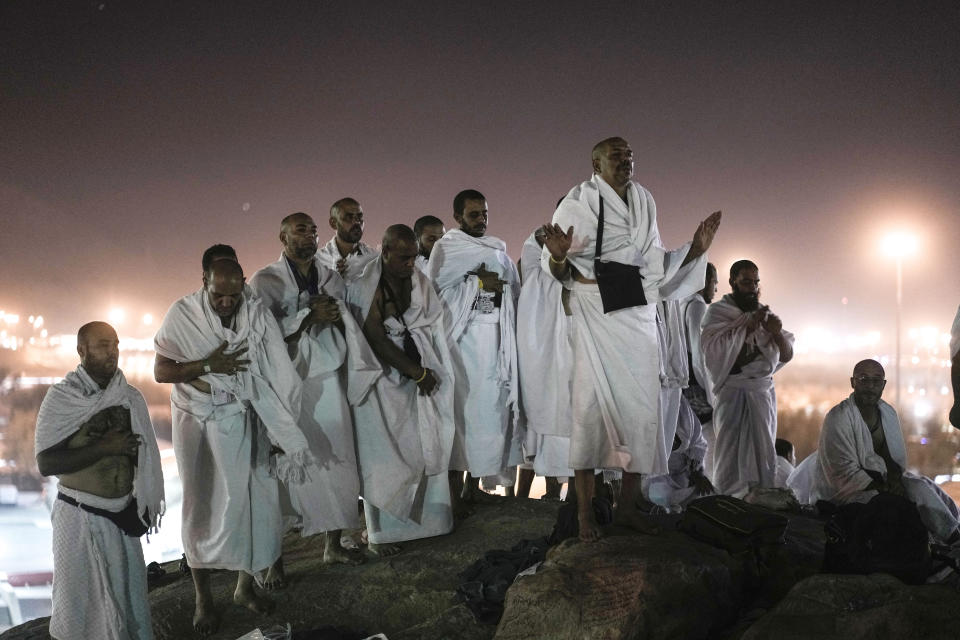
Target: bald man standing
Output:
[
  {"x": 327, "y": 349},
  {"x": 346, "y": 253},
  {"x": 94, "y": 433},
  {"x": 235, "y": 396}
]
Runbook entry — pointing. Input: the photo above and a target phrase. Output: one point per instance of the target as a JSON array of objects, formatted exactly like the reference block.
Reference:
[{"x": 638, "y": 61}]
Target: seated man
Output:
[
  {"x": 786, "y": 462},
  {"x": 94, "y": 432},
  {"x": 862, "y": 452},
  {"x": 406, "y": 433}
]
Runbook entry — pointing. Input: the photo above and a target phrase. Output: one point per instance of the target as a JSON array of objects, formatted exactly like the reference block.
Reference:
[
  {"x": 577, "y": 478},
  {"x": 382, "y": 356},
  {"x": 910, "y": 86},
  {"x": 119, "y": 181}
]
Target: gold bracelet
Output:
[
  {"x": 558, "y": 261},
  {"x": 420, "y": 379}
]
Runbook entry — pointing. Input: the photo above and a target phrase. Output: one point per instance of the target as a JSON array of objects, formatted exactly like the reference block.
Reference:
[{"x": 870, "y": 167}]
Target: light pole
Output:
[{"x": 897, "y": 245}]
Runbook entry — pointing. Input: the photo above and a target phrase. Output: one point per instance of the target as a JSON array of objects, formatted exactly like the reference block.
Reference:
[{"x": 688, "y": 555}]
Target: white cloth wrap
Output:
[
  {"x": 407, "y": 440},
  {"x": 100, "y": 581},
  {"x": 673, "y": 489},
  {"x": 192, "y": 330},
  {"x": 801, "y": 480},
  {"x": 74, "y": 400},
  {"x": 955, "y": 336},
  {"x": 333, "y": 367},
  {"x": 846, "y": 449},
  {"x": 421, "y": 263},
  {"x": 745, "y": 413},
  {"x": 545, "y": 361},
  {"x": 693, "y": 308},
  {"x": 329, "y": 255},
  {"x": 487, "y": 394},
  {"x": 616, "y": 381}
]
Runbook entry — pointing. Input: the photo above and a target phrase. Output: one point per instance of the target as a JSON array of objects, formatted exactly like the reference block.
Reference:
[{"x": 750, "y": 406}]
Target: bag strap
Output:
[{"x": 596, "y": 255}]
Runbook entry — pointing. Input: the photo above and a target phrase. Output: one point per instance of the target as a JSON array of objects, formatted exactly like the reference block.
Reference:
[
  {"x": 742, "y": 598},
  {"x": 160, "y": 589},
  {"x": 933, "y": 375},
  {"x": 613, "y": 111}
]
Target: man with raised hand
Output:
[
  {"x": 235, "y": 396},
  {"x": 616, "y": 390},
  {"x": 327, "y": 348},
  {"x": 346, "y": 253},
  {"x": 406, "y": 444},
  {"x": 95, "y": 435},
  {"x": 479, "y": 284}
]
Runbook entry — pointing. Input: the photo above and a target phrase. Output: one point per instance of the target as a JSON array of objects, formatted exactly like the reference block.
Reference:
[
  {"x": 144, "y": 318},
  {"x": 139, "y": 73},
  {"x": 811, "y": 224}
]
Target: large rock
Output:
[
  {"x": 408, "y": 596},
  {"x": 845, "y": 607},
  {"x": 624, "y": 587}
]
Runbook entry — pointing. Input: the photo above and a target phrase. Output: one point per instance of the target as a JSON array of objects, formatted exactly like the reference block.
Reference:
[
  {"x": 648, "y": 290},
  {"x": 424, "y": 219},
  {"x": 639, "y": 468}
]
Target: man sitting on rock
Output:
[{"x": 862, "y": 453}]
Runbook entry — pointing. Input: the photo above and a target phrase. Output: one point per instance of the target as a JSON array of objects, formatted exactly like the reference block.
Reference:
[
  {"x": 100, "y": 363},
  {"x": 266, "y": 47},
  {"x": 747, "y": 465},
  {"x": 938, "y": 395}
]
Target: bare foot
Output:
[
  {"x": 384, "y": 550},
  {"x": 274, "y": 578},
  {"x": 206, "y": 620},
  {"x": 335, "y": 554},
  {"x": 250, "y": 600},
  {"x": 589, "y": 529}
]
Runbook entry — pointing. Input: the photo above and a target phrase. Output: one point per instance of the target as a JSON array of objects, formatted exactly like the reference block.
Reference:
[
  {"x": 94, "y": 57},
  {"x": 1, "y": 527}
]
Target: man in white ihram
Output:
[
  {"x": 94, "y": 433},
  {"x": 616, "y": 391},
  {"x": 225, "y": 355}
]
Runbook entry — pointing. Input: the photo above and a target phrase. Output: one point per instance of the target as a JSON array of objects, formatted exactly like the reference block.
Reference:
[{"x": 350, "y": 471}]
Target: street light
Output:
[{"x": 898, "y": 245}]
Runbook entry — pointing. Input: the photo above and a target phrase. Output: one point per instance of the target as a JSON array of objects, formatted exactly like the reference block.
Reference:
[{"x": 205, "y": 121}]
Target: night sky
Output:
[{"x": 136, "y": 134}]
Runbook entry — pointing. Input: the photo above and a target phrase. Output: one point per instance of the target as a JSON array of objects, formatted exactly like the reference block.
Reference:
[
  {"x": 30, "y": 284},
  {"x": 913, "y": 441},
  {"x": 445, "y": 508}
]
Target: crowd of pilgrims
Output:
[{"x": 422, "y": 375}]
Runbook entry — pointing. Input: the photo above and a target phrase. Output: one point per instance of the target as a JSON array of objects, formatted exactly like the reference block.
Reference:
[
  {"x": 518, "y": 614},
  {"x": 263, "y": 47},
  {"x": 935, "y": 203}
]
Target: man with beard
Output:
[
  {"x": 94, "y": 433},
  {"x": 235, "y": 394},
  {"x": 345, "y": 252},
  {"x": 744, "y": 344},
  {"x": 699, "y": 391},
  {"x": 616, "y": 381},
  {"x": 862, "y": 452},
  {"x": 427, "y": 229},
  {"x": 407, "y": 434},
  {"x": 479, "y": 283},
  {"x": 306, "y": 299}
]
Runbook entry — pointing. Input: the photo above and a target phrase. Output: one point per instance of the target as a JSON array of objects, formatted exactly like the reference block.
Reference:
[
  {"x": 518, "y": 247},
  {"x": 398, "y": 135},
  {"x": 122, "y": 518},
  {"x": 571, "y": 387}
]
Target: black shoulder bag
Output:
[{"x": 621, "y": 285}]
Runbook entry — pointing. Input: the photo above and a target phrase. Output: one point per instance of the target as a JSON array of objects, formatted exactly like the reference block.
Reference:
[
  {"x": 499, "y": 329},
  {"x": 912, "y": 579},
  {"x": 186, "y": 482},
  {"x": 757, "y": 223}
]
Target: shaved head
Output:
[
  {"x": 90, "y": 329},
  {"x": 398, "y": 233},
  {"x": 337, "y": 207},
  {"x": 294, "y": 218},
  {"x": 868, "y": 368},
  {"x": 601, "y": 148},
  {"x": 99, "y": 350}
]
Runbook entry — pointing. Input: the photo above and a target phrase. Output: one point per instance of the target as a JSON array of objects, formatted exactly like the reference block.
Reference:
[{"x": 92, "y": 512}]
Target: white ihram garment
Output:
[
  {"x": 745, "y": 413},
  {"x": 616, "y": 381},
  {"x": 673, "y": 489},
  {"x": 488, "y": 387},
  {"x": 231, "y": 513},
  {"x": 693, "y": 308},
  {"x": 846, "y": 450},
  {"x": 406, "y": 439},
  {"x": 327, "y": 362},
  {"x": 100, "y": 582},
  {"x": 329, "y": 255},
  {"x": 545, "y": 359}
]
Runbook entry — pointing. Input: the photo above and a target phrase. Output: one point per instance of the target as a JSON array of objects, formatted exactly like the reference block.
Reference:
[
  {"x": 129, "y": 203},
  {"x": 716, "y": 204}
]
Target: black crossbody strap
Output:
[{"x": 596, "y": 254}]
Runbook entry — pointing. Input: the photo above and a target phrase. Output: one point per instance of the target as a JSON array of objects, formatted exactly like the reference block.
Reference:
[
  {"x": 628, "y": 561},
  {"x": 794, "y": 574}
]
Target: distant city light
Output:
[
  {"x": 148, "y": 319},
  {"x": 899, "y": 244},
  {"x": 116, "y": 316}
]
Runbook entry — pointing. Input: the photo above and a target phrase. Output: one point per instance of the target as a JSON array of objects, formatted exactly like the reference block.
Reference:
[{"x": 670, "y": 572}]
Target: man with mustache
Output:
[
  {"x": 479, "y": 284},
  {"x": 744, "y": 344},
  {"x": 616, "y": 372},
  {"x": 428, "y": 230},
  {"x": 346, "y": 253},
  {"x": 306, "y": 299},
  {"x": 94, "y": 433},
  {"x": 862, "y": 452}
]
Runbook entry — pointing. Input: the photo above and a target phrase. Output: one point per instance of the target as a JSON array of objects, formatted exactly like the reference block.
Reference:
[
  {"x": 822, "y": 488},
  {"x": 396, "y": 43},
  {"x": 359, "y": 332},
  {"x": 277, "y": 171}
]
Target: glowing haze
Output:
[{"x": 136, "y": 136}]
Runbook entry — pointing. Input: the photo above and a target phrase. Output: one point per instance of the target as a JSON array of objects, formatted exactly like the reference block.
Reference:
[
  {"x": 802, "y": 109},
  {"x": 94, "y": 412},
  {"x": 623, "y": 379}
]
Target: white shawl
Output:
[
  {"x": 846, "y": 449},
  {"x": 723, "y": 333},
  {"x": 74, "y": 400},
  {"x": 318, "y": 351},
  {"x": 544, "y": 349},
  {"x": 329, "y": 255},
  {"x": 191, "y": 330},
  {"x": 955, "y": 336},
  {"x": 453, "y": 255},
  {"x": 630, "y": 236}
]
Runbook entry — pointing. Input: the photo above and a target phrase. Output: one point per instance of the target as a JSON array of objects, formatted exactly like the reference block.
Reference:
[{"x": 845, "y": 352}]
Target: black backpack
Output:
[{"x": 884, "y": 535}]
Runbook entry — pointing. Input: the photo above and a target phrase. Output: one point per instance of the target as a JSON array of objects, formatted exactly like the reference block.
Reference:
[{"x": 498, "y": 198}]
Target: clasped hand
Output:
[
  {"x": 489, "y": 280},
  {"x": 323, "y": 308}
]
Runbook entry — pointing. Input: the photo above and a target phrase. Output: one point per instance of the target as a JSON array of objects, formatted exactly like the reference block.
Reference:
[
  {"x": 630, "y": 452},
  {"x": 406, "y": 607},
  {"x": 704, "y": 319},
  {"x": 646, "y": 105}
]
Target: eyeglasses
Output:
[{"x": 869, "y": 380}]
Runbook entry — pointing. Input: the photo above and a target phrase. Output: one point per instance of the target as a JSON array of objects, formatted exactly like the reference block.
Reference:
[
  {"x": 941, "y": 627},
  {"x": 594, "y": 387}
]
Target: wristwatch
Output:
[{"x": 206, "y": 367}]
